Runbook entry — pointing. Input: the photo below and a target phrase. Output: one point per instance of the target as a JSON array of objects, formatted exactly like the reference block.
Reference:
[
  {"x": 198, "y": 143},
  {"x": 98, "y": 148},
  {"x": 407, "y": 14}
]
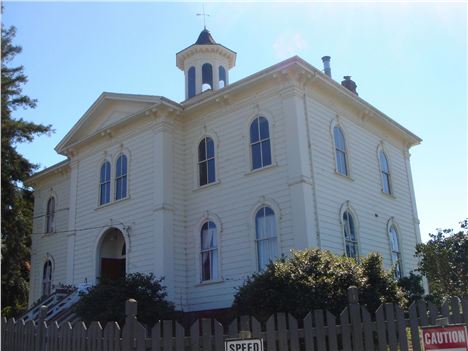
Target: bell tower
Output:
[{"x": 206, "y": 65}]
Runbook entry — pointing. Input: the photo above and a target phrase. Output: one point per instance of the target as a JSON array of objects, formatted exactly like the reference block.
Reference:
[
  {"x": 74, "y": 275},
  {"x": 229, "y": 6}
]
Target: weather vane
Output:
[{"x": 204, "y": 16}]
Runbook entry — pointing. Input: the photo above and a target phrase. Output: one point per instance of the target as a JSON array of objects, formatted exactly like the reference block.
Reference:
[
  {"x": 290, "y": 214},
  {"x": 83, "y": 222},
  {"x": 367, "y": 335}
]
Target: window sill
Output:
[
  {"x": 258, "y": 170},
  {"x": 344, "y": 176},
  {"x": 112, "y": 203},
  {"x": 206, "y": 186},
  {"x": 210, "y": 282},
  {"x": 390, "y": 196}
]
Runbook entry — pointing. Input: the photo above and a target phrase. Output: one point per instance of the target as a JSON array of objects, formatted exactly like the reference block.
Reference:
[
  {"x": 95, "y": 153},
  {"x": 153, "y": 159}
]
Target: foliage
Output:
[
  {"x": 106, "y": 301},
  {"x": 412, "y": 287},
  {"x": 17, "y": 202},
  {"x": 315, "y": 279},
  {"x": 444, "y": 261}
]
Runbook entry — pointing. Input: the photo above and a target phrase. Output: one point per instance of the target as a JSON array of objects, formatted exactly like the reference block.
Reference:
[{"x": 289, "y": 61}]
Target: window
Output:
[
  {"x": 384, "y": 172},
  {"x": 50, "y": 215},
  {"x": 265, "y": 230},
  {"x": 260, "y": 143},
  {"x": 104, "y": 183},
  {"x": 349, "y": 232},
  {"x": 191, "y": 82},
  {"x": 121, "y": 177},
  {"x": 340, "y": 151},
  {"x": 222, "y": 77},
  {"x": 209, "y": 252},
  {"x": 395, "y": 247},
  {"x": 47, "y": 278},
  {"x": 206, "y": 162},
  {"x": 207, "y": 77}
]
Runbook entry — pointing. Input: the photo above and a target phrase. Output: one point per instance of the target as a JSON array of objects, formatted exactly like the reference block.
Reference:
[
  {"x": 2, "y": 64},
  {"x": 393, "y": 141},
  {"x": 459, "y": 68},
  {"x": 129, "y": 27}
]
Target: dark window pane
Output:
[
  {"x": 124, "y": 164},
  {"x": 256, "y": 157},
  {"x": 266, "y": 153},
  {"x": 103, "y": 173},
  {"x": 191, "y": 82},
  {"x": 264, "y": 133},
  {"x": 209, "y": 148},
  {"x": 207, "y": 74},
  {"x": 339, "y": 138},
  {"x": 254, "y": 137},
  {"x": 118, "y": 189},
  {"x": 222, "y": 75},
  {"x": 203, "y": 173},
  {"x": 211, "y": 171},
  {"x": 118, "y": 167},
  {"x": 206, "y": 266},
  {"x": 124, "y": 186},
  {"x": 202, "y": 151}
]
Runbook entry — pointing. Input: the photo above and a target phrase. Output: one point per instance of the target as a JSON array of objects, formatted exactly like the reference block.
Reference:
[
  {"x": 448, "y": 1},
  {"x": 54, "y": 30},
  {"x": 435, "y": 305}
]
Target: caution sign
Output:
[
  {"x": 243, "y": 345},
  {"x": 448, "y": 338}
]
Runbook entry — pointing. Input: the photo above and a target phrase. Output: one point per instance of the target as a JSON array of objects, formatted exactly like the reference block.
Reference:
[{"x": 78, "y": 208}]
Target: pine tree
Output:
[{"x": 17, "y": 201}]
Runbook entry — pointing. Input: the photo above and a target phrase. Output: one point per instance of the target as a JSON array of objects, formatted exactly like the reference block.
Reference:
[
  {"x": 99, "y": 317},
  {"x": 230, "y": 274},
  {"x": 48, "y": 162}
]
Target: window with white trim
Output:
[
  {"x": 121, "y": 177},
  {"x": 260, "y": 146},
  {"x": 340, "y": 151},
  {"x": 350, "y": 236},
  {"x": 209, "y": 252},
  {"x": 266, "y": 237},
  {"x": 104, "y": 183},
  {"x": 47, "y": 278},
  {"x": 384, "y": 172},
  {"x": 50, "y": 215},
  {"x": 395, "y": 247},
  {"x": 206, "y": 162}
]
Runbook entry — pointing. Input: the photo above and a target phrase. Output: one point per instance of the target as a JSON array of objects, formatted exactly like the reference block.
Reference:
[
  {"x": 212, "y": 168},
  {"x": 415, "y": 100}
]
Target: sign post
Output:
[{"x": 445, "y": 338}]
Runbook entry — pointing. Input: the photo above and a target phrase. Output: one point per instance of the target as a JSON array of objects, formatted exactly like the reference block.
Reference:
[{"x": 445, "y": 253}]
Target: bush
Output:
[
  {"x": 412, "y": 287},
  {"x": 106, "y": 301},
  {"x": 315, "y": 279}
]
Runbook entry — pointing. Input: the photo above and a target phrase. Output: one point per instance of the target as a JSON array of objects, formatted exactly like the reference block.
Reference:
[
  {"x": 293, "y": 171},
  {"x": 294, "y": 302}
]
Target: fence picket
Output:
[
  {"x": 293, "y": 333},
  {"x": 167, "y": 335},
  {"x": 52, "y": 337},
  {"x": 140, "y": 336},
  {"x": 445, "y": 310},
  {"x": 368, "y": 329},
  {"x": 391, "y": 328},
  {"x": 319, "y": 330},
  {"x": 332, "y": 338},
  {"x": 206, "y": 334},
  {"x": 4, "y": 322},
  {"x": 111, "y": 340},
  {"x": 180, "y": 337},
  {"x": 219, "y": 337},
  {"x": 233, "y": 331},
  {"x": 79, "y": 336},
  {"x": 356, "y": 327},
  {"x": 271, "y": 333},
  {"x": 455, "y": 307},
  {"x": 413, "y": 319},
  {"x": 282, "y": 332},
  {"x": 345, "y": 330},
  {"x": 19, "y": 334},
  {"x": 422, "y": 312},
  {"x": 256, "y": 328},
  {"x": 94, "y": 337},
  {"x": 433, "y": 313},
  {"x": 156, "y": 337},
  {"x": 65, "y": 336},
  {"x": 465, "y": 309},
  {"x": 308, "y": 333},
  {"x": 244, "y": 323},
  {"x": 195, "y": 336},
  {"x": 380, "y": 323},
  {"x": 401, "y": 327}
]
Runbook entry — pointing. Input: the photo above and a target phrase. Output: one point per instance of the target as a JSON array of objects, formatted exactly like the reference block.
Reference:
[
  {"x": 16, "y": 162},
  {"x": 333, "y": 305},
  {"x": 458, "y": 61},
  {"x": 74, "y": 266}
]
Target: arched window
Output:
[
  {"x": 260, "y": 143},
  {"x": 206, "y": 162},
  {"x": 50, "y": 215},
  {"x": 104, "y": 183},
  {"x": 384, "y": 173},
  {"x": 340, "y": 151},
  {"x": 209, "y": 252},
  {"x": 350, "y": 237},
  {"x": 121, "y": 177},
  {"x": 265, "y": 231},
  {"x": 222, "y": 77},
  {"x": 191, "y": 82},
  {"x": 47, "y": 278},
  {"x": 395, "y": 247},
  {"x": 207, "y": 77}
]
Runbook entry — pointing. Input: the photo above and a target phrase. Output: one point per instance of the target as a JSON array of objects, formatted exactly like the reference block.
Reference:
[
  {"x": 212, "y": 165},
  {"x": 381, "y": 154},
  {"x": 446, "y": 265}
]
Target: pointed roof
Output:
[{"x": 205, "y": 38}]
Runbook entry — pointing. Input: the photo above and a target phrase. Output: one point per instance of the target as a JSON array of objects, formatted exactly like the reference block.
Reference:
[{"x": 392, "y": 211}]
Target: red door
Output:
[{"x": 112, "y": 268}]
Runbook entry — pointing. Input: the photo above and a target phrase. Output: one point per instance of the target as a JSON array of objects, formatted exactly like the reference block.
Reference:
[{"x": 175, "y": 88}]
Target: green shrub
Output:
[
  {"x": 315, "y": 279},
  {"x": 106, "y": 301}
]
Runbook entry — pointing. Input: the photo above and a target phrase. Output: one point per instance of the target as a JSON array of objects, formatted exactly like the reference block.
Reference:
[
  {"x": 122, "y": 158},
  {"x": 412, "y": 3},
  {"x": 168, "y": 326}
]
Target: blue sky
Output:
[{"x": 408, "y": 59}]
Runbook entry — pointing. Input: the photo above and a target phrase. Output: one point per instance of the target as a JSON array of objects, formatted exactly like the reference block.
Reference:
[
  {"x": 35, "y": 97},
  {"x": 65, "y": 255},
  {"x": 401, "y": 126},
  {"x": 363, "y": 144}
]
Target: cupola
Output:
[{"x": 206, "y": 65}]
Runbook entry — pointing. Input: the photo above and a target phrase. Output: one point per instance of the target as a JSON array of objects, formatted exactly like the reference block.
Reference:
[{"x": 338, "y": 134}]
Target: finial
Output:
[{"x": 204, "y": 16}]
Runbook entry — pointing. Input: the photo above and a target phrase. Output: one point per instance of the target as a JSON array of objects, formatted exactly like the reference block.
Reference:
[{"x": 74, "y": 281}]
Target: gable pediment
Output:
[{"x": 108, "y": 110}]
